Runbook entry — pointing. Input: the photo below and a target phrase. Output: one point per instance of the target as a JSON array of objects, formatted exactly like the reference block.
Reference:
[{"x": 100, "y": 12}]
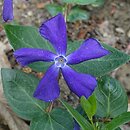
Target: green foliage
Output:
[
  {"x": 74, "y": 14},
  {"x": 84, "y": 124},
  {"x": 111, "y": 98},
  {"x": 28, "y": 37},
  {"x": 101, "y": 66},
  {"x": 110, "y": 101},
  {"x": 119, "y": 120},
  {"x": 18, "y": 89},
  {"x": 25, "y": 36},
  {"x": 77, "y": 14},
  {"x": 54, "y": 9},
  {"x": 58, "y": 119},
  {"x": 98, "y": 3},
  {"x": 89, "y": 105},
  {"x": 80, "y": 2},
  {"x": 118, "y": 128}
]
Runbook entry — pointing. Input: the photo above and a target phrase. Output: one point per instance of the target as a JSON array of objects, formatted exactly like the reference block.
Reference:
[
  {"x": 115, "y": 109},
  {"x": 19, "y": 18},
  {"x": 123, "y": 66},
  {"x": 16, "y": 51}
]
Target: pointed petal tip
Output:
[
  {"x": 43, "y": 99},
  {"x": 26, "y": 56},
  {"x": 54, "y": 30},
  {"x": 90, "y": 49},
  {"x": 8, "y": 19},
  {"x": 80, "y": 84},
  {"x": 48, "y": 89},
  {"x": 106, "y": 52},
  {"x": 7, "y": 13},
  {"x": 46, "y": 98}
]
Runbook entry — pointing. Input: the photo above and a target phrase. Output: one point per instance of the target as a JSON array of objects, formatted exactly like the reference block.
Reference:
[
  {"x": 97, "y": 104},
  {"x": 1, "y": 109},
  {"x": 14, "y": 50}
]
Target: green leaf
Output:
[
  {"x": 98, "y": 3},
  {"x": 18, "y": 90},
  {"x": 118, "y": 128},
  {"x": 28, "y": 37},
  {"x": 77, "y": 14},
  {"x": 111, "y": 98},
  {"x": 74, "y": 15},
  {"x": 54, "y": 9},
  {"x": 80, "y": 2},
  {"x": 101, "y": 66},
  {"x": 25, "y": 36},
  {"x": 84, "y": 124},
  {"x": 89, "y": 105},
  {"x": 120, "y": 120},
  {"x": 58, "y": 119}
]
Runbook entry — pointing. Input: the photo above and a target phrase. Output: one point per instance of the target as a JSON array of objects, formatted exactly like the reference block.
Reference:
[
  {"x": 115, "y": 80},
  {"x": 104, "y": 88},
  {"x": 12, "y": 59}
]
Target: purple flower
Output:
[
  {"x": 8, "y": 10},
  {"x": 76, "y": 125},
  {"x": 54, "y": 30}
]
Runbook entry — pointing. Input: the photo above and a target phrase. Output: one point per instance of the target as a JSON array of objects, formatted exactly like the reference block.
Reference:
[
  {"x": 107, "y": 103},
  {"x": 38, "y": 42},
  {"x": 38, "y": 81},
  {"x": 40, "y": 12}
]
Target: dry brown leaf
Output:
[{"x": 14, "y": 122}]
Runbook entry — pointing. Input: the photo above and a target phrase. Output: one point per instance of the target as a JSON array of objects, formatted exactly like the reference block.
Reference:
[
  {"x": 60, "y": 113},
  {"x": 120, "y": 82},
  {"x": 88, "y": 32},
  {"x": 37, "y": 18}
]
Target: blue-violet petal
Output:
[
  {"x": 76, "y": 126},
  {"x": 48, "y": 88},
  {"x": 7, "y": 10},
  {"x": 25, "y": 56},
  {"x": 54, "y": 30},
  {"x": 80, "y": 84},
  {"x": 90, "y": 49}
]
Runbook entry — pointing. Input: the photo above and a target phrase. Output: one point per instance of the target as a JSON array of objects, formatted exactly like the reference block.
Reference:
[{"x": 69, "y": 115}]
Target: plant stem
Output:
[
  {"x": 49, "y": 108},
  {"x": 66, "y": 12},
  {"x": 94, "y": 127}
]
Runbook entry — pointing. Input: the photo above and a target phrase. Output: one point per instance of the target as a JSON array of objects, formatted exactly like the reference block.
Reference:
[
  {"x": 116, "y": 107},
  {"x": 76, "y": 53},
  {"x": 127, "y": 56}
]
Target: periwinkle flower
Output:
[
  {"x": 8, "y": 10},
  {"x": 54, "y": 30},
  {"x": 76, "y": 126}
]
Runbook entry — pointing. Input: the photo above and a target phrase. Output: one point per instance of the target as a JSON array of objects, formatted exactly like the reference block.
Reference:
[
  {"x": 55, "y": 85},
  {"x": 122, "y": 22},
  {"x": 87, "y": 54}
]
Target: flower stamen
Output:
[{"x": 60, "y": 61}]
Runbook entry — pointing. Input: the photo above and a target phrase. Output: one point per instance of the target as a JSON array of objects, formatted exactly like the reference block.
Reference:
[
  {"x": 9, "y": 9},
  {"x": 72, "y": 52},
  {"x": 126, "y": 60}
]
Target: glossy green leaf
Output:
[
  {"x": 116, "y": 122},
  {"x": 58, "y": 119},
  {"x": 74, "y": 14},
  {"x": 80, "y": 2},
  {"x": 84, "y": 124},
  {"x": 54, "y": 9},
  {"x": 28, "y": 37},
  {"x": 111, "y": 98},
  {"x": 101, "y": 66},
  {"x": 25, "y": 36},
  {"x": 18, "y": 90},
  {"x": 77, "y": 14},
  {"x": 89, "y": 105}
]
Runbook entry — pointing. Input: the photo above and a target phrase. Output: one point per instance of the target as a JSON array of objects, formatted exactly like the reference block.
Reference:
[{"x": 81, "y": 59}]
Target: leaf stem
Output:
[
  {"x": 94, "y": 127},
  {"x": 66, "y": 11},
  {"x": 50, "y": 107}
]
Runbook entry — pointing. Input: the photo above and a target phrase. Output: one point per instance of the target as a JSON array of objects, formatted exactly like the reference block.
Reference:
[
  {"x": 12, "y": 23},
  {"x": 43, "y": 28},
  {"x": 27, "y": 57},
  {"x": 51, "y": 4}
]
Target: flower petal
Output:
[
  {"x": 48, "y": 88},
  {"x": 25, "y": 56},
  {"x": 76, "y": 126},
  {"x": 80, "y": 84},
  {"x": 54, "y": 30},
  {"x": 8, "y": 10},
  {"x": 90, "y": 49}
]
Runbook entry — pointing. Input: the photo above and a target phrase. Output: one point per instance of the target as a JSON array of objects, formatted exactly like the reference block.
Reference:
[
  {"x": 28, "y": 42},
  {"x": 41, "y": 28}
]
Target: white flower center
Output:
[{"x": 60, "y": 61}]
